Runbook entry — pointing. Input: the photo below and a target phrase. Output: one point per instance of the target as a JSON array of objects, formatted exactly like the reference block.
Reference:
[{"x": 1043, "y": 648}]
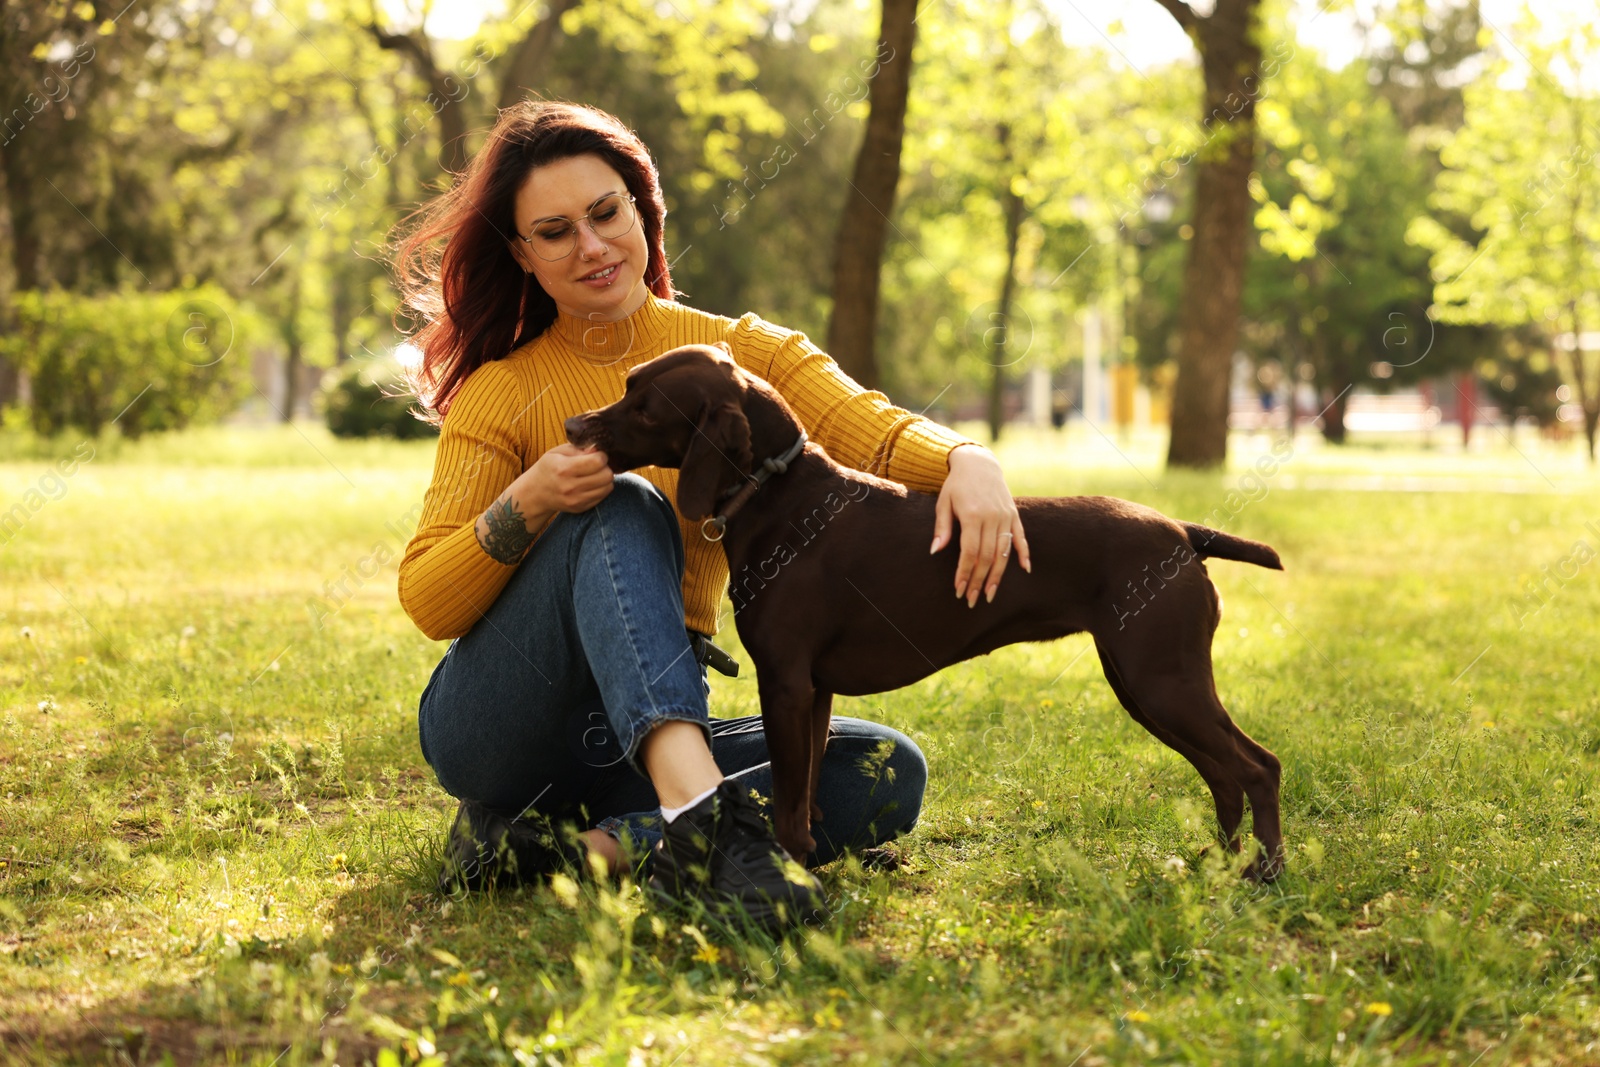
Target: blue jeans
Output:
[{"x": 540, "y": 708}]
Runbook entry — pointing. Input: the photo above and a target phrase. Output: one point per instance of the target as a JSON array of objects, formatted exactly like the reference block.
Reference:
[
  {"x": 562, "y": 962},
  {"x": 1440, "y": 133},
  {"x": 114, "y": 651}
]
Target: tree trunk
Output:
[
  {"x": 1213, "y": 285},
  {"x": 1577, "y": 250},
  {"x": 342, "y": 314},
  {"x": 1000, "y": 354},
  {"x": 26, "y": 241},
  {"x": 1588, "y": 398},
  {"x": 528, "y": 63},
  {"x": 446, "y": 92},
  {"x": 292, "y": 353},
  {"x": 25, "y": 253},
  {"x": 863, "y": 227},
  {"x": 1334, "y": 430}
]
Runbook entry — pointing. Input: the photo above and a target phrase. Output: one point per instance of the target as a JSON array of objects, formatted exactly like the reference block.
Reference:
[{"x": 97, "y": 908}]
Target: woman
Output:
[{"x": 578, "y": 602}]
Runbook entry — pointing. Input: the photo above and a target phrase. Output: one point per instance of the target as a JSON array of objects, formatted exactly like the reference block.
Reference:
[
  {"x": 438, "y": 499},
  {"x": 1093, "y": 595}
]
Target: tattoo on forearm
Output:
[{"x": 508, "y": 536}]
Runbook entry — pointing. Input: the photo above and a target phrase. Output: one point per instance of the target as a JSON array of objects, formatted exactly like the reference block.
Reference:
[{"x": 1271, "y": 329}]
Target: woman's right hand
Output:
[{"x": 566, "y": 478}]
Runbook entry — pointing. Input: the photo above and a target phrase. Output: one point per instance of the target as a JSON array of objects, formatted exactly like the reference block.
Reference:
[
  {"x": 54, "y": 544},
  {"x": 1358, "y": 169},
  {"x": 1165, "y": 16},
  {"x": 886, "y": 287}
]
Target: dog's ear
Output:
[{"x": 718, "y": 455}]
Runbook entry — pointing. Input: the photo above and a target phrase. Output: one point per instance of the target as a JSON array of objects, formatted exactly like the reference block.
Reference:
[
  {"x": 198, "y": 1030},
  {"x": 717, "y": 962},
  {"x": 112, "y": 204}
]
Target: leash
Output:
[{"x": 770, "y": 466}]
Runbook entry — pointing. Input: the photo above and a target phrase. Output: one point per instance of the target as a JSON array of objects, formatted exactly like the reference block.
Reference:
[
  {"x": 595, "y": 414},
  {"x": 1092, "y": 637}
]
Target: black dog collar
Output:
[{"x": 770, "y": 466}]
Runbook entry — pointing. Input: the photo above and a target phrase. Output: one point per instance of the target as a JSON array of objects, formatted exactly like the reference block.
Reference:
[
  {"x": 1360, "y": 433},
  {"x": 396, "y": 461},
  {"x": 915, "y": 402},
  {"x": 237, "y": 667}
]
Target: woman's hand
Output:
[
  {"x": 975, "y": 495},
  {"x": 566, "y": 478}
]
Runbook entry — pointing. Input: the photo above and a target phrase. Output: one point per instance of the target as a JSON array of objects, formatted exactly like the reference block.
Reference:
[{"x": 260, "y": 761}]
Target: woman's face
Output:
[{"x": 600, "y": 279}]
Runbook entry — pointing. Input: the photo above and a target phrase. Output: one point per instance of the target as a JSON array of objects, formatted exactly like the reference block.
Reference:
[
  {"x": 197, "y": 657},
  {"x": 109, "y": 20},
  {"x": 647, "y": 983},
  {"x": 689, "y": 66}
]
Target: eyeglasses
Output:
[{"x": 609, "y": 217}]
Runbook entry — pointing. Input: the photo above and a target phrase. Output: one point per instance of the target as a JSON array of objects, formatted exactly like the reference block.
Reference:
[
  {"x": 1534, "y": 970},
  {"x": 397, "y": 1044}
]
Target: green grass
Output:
[{"x": 218, "y": 836}]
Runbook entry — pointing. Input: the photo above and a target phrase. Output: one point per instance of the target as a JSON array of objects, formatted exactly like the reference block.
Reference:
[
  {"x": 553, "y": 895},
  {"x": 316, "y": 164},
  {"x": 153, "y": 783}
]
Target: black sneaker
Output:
[
  {"x": 721, "y": 852},
  {"x": 486, "y": 848}
]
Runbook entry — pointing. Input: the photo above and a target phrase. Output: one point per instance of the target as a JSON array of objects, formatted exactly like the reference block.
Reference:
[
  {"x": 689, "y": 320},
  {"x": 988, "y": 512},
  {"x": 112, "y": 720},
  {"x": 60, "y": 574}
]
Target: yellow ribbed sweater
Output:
[{"x": 510, "y": 411}]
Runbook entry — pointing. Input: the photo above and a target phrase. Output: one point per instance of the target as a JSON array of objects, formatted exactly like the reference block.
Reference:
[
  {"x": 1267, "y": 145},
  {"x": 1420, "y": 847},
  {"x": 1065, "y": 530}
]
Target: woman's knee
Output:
[
  {"x": 891, "y": 767},
  {"x": 636, "y": 496},
  {"x": 636, "y": 509},
  {"x": 909, "y": 773}
]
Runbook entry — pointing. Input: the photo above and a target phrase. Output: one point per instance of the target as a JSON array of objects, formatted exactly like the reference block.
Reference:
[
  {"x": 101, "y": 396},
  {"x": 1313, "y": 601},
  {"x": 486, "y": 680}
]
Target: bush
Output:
[
  {"x": 144, "y": 361},
  {"x": 367, "y": 398}
]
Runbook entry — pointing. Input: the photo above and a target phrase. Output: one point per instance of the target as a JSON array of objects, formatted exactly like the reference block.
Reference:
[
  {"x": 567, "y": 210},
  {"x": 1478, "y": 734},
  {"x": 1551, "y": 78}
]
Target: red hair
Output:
[{"x": 453, "y": 265}]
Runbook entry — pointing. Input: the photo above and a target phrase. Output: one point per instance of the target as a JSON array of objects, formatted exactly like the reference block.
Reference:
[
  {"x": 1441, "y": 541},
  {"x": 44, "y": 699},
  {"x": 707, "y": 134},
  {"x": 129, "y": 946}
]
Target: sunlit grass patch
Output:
[{"x": 218, "y": 838}]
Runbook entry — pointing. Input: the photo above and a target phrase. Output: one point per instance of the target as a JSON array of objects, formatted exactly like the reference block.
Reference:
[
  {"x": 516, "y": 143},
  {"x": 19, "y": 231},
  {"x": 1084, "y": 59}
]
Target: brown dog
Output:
[{"x": 834, "y": 595}]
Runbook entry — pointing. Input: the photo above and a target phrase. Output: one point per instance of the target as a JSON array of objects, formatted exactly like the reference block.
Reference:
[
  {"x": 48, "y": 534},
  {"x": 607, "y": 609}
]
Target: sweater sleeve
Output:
[
  {"x": 859, "y": 427},
  {"x": 447, "y": 581}
]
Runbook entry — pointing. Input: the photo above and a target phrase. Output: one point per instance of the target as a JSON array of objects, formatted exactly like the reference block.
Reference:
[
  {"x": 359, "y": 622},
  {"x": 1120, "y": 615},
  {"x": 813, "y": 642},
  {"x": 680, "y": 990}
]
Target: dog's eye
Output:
[{"x": 646, "y": 418}]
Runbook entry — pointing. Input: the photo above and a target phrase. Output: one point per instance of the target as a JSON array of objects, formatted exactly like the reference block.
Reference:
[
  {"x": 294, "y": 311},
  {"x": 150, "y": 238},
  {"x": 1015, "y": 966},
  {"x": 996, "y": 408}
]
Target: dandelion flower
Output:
[
  {"x": 1137, "y": 1016},
  {"x": 47, "y": 705},
  {"x": 1379, "y": 1007},
  {"x": 708, "y": 954}
]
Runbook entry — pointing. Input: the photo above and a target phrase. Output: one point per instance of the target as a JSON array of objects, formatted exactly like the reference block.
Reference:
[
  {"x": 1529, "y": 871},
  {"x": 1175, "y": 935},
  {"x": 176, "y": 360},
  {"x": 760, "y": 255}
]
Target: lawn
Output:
[{"x": 218, "y": 837}]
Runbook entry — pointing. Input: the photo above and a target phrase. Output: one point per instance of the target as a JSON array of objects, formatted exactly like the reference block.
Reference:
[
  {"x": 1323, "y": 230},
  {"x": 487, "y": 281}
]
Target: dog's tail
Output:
[{"x": 1207, "y": 542}]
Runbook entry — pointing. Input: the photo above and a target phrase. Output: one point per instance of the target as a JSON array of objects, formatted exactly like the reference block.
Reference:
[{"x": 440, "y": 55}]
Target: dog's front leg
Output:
[
  {"x": 787, "y": 703},
  {"x": 821, "y": 719}
]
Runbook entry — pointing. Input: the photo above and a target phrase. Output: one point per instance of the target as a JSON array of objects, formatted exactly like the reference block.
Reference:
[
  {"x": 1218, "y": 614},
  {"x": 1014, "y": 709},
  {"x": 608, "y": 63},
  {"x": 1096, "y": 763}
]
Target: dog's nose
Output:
[{"x": 577, "y": 426}]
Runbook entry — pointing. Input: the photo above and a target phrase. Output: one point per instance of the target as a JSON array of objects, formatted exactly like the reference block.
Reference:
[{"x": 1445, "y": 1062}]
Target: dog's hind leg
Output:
[
  {"x": 1226, "y": 793},
  {"x": 1184, "y": 704}
]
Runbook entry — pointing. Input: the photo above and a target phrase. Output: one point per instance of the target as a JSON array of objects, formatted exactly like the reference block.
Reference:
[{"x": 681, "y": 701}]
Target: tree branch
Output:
[
  {"x": 1181, "y": 11},
  {"x": 445, "y": 102},
  {"x": 419, "y": 52},
  {"x": 527, "y": 64}
]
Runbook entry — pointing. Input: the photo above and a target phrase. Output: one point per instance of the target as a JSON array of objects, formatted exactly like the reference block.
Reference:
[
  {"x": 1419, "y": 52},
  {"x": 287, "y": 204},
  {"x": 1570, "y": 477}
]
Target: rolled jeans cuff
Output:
[
  {"x": 637, "y": 833},
  {"x": 644, "y": 723}
]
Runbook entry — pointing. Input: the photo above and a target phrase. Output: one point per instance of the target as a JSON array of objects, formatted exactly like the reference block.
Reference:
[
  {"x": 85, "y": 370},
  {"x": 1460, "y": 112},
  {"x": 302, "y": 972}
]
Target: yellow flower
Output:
[
  {"x": 82, "y": 659},
  {"x": 1379, "y": 1007},
  {"x": 708, "y": 954},
  {"x": 460, "y": 978},
  {"x": 1137, "y": 1016}
]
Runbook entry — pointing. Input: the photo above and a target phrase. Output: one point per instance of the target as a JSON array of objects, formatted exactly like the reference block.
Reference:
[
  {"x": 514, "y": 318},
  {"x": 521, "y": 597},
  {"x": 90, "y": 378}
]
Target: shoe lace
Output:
[{"x": 755, "y": 840}]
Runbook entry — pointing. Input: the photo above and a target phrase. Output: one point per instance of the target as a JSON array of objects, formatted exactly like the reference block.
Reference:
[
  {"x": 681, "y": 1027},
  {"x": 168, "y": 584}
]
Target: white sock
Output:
[{"x": 668, "y": 814}]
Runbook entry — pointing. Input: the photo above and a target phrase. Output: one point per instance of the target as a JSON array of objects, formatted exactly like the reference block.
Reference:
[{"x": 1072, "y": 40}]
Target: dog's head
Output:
[{"x": 683, "y": 409}]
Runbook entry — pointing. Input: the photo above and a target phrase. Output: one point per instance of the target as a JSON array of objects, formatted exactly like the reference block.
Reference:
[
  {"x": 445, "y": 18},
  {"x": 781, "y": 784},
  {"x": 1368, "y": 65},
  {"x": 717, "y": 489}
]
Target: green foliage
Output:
[
  {"x": 1084, "y": 140},
  {"x": 365, "y": 398},
  {"x": 1514, "y": 230},
  {"x": 144, "y": 361},
  {"x": 1521, "y": 170},
  {"x": 1337, "y": 286}
]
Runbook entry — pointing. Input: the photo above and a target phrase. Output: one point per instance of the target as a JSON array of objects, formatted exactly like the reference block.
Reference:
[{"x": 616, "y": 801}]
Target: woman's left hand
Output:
[{"x": 975, "y": 495}]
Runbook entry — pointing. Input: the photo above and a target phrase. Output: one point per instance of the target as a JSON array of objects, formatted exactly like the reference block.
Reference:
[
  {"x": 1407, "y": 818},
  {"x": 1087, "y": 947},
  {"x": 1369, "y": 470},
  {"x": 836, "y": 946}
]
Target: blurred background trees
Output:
[{"x": 1009, "y": 225}]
